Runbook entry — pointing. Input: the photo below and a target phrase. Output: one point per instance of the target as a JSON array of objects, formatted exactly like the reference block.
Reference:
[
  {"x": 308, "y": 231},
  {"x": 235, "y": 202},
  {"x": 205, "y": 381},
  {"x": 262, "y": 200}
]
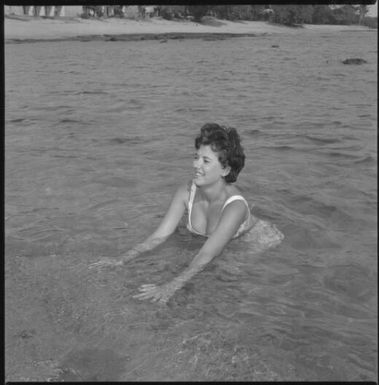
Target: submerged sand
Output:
[{"x": 30, "y": 28}]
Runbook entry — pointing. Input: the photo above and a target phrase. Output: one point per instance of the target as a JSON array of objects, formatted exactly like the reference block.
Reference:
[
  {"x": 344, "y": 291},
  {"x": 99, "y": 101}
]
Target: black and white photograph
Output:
[{"x": 190, "y": 192}]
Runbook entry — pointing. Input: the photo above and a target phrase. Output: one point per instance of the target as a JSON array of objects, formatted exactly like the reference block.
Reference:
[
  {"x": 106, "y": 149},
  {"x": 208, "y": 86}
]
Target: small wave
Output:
[
  {"x": 281, "y": 148},
  {"x": 101, "y": 205},
  {"x": 65, "y": 156},
  {"x": 337, "y": 123},
  {"x": 286, "y": 148},
  {"x": 134, "y": 101},
  {"x": 351, "y": 280},
  {"x": 91, "y": 93},
  {"x": 68, "y": 120},
  {"x": 307, "y": 205},
  {"x": 114, "y": 181},
  {"x": 181, "y": 109},
  {"x": 302, "y": 238},
  {"x": 366, "y": 160},
  {"x": 131, "y": 140},
  {"x": 254, "y": 132},
  {"x": 340, "y": 75},
  {"x": 340, "y": 155},
  {"x": 116, "y": 108},
  {"x": 134, "y": 104},
  {"x": 318, "y": 140}
]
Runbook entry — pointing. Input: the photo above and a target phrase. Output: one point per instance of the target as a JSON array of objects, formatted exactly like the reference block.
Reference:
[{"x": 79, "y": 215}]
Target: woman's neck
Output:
[{"x": 215, "y": 192}]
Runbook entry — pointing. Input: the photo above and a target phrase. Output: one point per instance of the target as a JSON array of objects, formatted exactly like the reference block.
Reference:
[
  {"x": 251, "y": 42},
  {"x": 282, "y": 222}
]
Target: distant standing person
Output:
[{"x": 216, "y": 210}]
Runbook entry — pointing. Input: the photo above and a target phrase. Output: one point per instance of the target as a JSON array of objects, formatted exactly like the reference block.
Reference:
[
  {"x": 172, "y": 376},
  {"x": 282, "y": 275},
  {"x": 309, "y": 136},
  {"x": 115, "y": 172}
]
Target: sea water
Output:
[{"x": 99, "y": 135}]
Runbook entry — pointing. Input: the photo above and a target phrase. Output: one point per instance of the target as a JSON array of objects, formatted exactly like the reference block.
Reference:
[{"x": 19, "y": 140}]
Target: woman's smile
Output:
[{"x": 206, "y": 165}]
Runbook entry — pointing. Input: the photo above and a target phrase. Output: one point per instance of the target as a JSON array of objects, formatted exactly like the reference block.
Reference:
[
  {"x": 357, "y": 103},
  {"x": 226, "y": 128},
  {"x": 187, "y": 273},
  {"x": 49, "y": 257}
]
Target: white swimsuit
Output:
[{"x": 246, "y": 225}]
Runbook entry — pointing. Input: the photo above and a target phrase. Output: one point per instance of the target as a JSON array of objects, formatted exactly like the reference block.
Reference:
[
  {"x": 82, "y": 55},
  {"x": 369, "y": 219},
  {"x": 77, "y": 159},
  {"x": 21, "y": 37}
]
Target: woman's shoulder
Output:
[
  {"x": 233, "y": 191},
  {"x": 184, "y": 189},
  {"x": 237, "y": 198}
]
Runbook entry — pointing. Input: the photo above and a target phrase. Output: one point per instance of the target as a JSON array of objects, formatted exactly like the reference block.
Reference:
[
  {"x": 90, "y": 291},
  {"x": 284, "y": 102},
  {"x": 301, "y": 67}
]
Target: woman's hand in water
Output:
[
  {"x": 106, "y": 262},
  {"x": 156, "y": 293}
]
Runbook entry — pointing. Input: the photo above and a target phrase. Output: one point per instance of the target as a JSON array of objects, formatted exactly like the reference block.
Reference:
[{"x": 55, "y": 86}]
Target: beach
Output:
[{"x": 31, "y": 28}]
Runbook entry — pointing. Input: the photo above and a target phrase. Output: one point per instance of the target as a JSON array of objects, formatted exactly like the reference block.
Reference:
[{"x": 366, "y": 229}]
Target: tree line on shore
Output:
[{"x": 290, "y": 15}]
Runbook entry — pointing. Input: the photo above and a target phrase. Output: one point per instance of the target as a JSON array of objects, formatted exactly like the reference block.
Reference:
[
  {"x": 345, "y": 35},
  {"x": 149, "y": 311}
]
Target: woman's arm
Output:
[
  {"x": 231, "y": 219},
  {"x": 164, "y": 230}
]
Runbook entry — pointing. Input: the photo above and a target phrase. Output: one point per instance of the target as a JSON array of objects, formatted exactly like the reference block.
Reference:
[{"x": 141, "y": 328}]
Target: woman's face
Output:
[{"x": 208, "y": 168}]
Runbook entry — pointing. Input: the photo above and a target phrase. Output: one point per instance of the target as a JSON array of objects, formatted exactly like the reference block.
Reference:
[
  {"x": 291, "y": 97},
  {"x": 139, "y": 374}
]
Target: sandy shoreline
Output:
[{"x": 29, "y": 28}]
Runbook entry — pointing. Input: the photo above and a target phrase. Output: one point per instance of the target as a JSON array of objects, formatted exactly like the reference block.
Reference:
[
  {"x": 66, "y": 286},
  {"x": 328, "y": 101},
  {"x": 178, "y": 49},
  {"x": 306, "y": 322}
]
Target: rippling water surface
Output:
[{"x": 98, "y": 137}]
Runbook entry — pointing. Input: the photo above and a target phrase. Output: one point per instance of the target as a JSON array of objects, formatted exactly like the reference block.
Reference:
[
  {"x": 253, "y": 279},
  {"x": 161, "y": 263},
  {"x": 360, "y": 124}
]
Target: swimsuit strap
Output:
[
  {"x": 235, "y": 198},
  {"x": 190, "y": 204},
  {"x": 247, "y": 223},
  {"x": 229, "y": 200}
]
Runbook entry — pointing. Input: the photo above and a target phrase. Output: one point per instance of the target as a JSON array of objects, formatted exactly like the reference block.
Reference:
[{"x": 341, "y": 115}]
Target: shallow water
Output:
[{"x": 99, "y": 135}]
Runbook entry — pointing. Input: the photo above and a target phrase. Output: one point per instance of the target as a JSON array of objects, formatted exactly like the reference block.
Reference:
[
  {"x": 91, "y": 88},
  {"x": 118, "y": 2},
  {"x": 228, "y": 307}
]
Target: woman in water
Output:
[{"x": 216, "y": 209}]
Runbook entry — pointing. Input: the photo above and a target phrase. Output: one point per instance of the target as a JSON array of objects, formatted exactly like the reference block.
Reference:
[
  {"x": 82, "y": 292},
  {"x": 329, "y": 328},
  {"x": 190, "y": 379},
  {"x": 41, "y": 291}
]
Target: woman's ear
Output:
[{"x": 226, "y": 171}]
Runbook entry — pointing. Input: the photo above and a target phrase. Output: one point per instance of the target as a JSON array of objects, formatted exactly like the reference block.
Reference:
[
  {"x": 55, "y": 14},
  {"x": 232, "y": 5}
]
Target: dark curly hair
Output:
[{"x": 226, "y": 142}]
